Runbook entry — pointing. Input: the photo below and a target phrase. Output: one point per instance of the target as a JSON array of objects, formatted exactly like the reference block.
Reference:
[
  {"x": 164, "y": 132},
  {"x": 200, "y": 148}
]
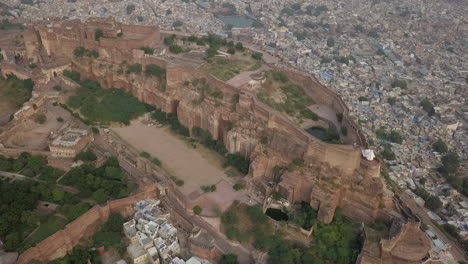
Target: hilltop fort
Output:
[{"x": 283, "y": 157}]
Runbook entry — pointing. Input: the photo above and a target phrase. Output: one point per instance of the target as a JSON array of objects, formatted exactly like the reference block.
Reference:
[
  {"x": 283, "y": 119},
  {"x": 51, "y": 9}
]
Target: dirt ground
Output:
[
  {"x": 196, "y": 167},
  {"x": 33, "y": 135}
]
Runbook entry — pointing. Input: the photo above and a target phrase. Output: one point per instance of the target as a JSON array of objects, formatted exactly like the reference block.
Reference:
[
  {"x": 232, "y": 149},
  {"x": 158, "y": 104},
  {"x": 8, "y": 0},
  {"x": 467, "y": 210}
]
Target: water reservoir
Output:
[
  {"x": 237, "y": 21},
  {"x": 277, "y": 214},
  {"x": 318, "y": 132}
]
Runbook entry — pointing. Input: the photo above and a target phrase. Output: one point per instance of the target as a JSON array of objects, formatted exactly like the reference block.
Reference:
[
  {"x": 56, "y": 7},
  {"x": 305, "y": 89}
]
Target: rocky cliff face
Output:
[{"x": 262, "y": 138}]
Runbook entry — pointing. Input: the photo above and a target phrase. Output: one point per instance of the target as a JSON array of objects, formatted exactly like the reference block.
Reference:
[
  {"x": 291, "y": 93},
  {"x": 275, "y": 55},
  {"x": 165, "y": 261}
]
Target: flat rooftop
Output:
[{"x": 70, "y": 138}]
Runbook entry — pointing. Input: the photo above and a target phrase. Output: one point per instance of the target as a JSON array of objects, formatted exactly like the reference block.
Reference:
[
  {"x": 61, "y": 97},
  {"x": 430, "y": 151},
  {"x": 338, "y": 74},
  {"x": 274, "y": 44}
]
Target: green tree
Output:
[
  {"x": 148, "y": 50},
  {"x": 427, "y": 106},
  {"x": 257, "y": 55},
  {"x": 13, "y": 240},
  {"x": 135, "y": 68},
  {"x": 330, "y": 42},
  {"x": 256, "y": 214},
  {"x": 391, "y": 101},
  {"x": 450, "y": 162},
  {"x": 211, "y": 52},
  {"x": 399, "y": 83},
  {"x": 75, "y": 76},
  {"x": 433, "y": 203},
  {"x": 422, "y": 181},
  {"x": 451, "y": 230},
  {"x": 197, "y": 210},
  {"x": 238, "y": 186},
  {"x": 86, "y": 156},
  {"x": 238, "y": 161},
  {"x": 30, "y": 218},
  {"x": 229, "y": 259},
  {"x": 40, "y": 118},
  {"x": 177, "y": 23},
  {"x": 229, "y": 217},
  {"x": 387, "y": 153},
  {"x": 79, "y": 52},
  {"x": 57, "y": 194},
  {"x": 339, "y": 116},
  {"x": 276, "y": 196},
  {"x": 440, "y": 146},
  {"x": 395, "y": 137},
  {"x": 239, "y": 46},
  {"x": 373, "y": 34},
  {"x": 114, "y": 223},
  {"x": 100, "y": 196},
  {"x": 174, "y": 48},
  {"x": 145, "y": 155},
  {"x": 169, "y": 40},
  {"x": 306, "y": 217},
  {"x": 130, "y": 8},
  {"x": 154, "y": 70},
  {"x": 280, "y": 76},
  {"x": 233, "y": 233},
  {"x": 98, "y": 34}
]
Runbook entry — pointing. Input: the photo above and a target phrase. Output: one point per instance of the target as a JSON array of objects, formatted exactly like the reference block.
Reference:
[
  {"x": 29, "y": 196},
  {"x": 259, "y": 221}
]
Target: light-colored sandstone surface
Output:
[{"x": 176, "y": 155}]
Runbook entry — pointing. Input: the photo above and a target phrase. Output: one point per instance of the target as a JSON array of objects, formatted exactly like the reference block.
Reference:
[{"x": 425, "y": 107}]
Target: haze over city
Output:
[{"x": 243, "y": 131}]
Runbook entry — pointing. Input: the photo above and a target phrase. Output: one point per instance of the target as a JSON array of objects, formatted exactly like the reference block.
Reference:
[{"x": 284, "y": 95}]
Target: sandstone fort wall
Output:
[
  {"x": 63, "y": 241},
  {"x": 322, "y": 95}
]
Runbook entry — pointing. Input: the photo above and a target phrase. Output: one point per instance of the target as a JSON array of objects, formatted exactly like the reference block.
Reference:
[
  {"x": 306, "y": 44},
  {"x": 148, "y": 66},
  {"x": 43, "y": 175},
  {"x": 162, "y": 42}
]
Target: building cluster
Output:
[
  {"x": 153, "y": 238},
  {"x": 173, "y": 15}
]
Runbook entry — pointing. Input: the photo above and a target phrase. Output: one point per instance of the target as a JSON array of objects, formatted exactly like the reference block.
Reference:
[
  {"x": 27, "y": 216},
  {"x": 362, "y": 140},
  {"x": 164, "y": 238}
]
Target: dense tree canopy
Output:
[
  {"x": 154, "y": 70},
  {"x": 105, "y": 105},
  {"x": 427, "y": 106},
  {"x": 16, "y": 91},
  {"x": 440, "y": 146},
  {"x": 102, "y": 183},
  {"x": 229, "y": 259},
  {"x": 450, "y": 163}
]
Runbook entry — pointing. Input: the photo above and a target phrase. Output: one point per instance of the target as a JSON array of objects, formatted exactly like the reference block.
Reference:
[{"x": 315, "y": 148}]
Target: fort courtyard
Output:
[{"x": 197, "y": 166}]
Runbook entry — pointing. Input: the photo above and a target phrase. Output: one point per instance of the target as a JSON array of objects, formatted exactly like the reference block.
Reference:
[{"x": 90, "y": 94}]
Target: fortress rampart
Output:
[
  {"x": 63, "y": 241},
  {"x": 322, "y": 95}
]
